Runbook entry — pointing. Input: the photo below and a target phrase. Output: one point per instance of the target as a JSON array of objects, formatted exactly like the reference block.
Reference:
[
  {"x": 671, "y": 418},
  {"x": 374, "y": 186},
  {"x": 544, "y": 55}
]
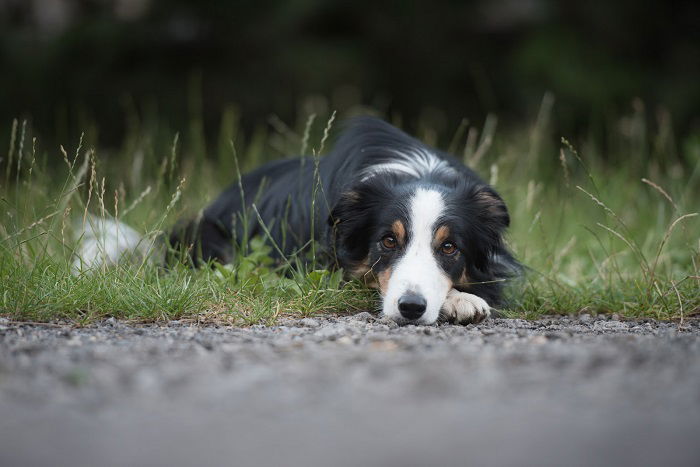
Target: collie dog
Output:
[{"x": 401, "y": 216}]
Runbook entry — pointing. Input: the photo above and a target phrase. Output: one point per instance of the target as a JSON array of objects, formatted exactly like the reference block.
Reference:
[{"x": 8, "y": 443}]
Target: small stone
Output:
[
  {"x": 539, "y": 340},
  {"x": 554, "y": 335},
  {"x": 309, "y": 323},
  {"x": 330, "y": 332},
  {"x": 611, "y": 325},
  {"x": 363, "y": 316},
  {"x": 388, "y": 322},
  {"x": 74, "y": 341},
  {"x": 515, "y": 323}
]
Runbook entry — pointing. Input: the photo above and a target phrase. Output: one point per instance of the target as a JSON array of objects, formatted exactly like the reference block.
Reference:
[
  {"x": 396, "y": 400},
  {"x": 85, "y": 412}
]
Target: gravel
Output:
[{"x": 351, "y": 391}]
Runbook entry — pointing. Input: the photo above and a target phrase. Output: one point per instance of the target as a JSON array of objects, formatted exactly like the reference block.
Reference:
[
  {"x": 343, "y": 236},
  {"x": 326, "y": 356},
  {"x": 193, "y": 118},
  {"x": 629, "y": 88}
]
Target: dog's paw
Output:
[{"x": 465, "y": 308}]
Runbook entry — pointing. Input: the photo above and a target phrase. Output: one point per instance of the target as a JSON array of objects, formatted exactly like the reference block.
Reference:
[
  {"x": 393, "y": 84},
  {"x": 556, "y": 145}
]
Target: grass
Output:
[{"x": 612, "y": 231}]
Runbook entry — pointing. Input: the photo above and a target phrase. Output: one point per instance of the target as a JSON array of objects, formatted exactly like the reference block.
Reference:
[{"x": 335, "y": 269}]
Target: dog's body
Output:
[{"x": 403, "y": 217}]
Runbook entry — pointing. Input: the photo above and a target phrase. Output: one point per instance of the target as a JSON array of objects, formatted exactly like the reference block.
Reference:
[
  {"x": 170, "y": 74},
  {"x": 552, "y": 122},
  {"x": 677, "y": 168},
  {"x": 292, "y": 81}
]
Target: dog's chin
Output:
[{"x": 401, "y": 321}]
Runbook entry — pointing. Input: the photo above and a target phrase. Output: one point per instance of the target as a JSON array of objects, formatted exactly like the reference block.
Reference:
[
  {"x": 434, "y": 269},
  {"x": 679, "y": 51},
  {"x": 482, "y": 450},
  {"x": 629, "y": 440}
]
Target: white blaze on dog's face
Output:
[{"x": 417, "y": 285}]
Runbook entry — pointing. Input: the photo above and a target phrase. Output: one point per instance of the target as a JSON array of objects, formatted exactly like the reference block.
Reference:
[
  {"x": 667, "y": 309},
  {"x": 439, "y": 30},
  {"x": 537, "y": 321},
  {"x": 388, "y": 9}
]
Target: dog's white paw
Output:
[{"x": 465, "y": 308}]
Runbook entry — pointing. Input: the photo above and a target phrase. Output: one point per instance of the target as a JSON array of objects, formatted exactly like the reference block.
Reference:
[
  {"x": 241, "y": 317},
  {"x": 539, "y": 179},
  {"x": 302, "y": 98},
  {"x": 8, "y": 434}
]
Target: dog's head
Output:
[{"x": 415, "y": 240}]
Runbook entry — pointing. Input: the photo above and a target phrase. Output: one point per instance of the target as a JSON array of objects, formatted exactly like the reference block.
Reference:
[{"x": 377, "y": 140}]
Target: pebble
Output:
[
  {"x": 538, "y": 340},
  {"x": 309, "y": 322},
  {"x": 363, "y": 316},
  {"x": 330, "y": 332},
  {"x": 345, "y": 340}
]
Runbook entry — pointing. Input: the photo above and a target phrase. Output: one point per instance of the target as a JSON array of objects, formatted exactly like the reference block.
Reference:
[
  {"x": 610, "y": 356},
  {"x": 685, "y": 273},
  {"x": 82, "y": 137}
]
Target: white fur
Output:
[
  {"x": 104, "y": 242},
  {"x": 465, "y": 308},
  {"x": 416, "y": 162},
  {"x": 418, "y": 270}
]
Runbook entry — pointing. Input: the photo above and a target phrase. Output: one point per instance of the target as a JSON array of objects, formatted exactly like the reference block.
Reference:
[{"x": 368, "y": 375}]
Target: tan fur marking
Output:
[
  {"x": 384, "y": 277},
  {"x": 400, "y": 231},
  {"x": 364, "y": 272},
  {"x": 361, "y": 269},
  {"x": 441, "y": 235},
  {"x": 463, "y": 280}
]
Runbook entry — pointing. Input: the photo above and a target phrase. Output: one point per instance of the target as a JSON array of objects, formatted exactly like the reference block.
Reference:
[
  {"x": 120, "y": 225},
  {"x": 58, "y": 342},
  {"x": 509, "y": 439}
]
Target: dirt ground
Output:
[{"x": 352, "y": 391}]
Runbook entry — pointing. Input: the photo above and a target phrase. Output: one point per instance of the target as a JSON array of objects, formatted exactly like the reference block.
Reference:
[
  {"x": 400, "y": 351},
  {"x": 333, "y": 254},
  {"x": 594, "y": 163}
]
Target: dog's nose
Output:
[{"x": 412, "y": 305}]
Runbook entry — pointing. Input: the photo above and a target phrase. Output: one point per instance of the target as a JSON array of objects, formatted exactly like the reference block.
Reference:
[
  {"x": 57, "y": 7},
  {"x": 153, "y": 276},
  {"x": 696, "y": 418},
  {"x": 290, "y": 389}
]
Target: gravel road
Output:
[{"x": 351, "y": 391}]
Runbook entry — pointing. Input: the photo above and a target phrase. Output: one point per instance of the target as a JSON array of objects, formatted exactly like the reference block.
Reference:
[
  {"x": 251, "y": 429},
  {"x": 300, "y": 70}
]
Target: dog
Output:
[{"x": 398, "y": 215}]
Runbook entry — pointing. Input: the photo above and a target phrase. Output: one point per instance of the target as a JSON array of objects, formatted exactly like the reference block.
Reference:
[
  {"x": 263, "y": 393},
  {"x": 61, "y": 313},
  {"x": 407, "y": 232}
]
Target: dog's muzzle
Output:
[{"x": 412, "y": 305}]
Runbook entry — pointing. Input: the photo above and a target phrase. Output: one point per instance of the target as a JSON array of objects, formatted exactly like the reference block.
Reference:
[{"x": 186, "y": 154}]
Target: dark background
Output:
[{"x": 66, "y": 64}]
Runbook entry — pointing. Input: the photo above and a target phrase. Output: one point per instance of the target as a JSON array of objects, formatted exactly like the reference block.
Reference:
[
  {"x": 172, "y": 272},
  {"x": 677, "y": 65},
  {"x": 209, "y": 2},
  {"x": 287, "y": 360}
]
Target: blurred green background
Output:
[{"x": 73, "y": 65}]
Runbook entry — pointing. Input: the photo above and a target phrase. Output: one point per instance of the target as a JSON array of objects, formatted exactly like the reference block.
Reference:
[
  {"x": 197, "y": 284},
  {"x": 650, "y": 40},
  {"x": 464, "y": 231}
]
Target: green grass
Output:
[{"x": 613, "y": 231}]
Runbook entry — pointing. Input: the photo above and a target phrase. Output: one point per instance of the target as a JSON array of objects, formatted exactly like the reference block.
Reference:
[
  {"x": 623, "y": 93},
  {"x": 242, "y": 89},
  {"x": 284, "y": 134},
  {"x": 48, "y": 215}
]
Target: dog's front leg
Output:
[{"x": 465, "y": 308}]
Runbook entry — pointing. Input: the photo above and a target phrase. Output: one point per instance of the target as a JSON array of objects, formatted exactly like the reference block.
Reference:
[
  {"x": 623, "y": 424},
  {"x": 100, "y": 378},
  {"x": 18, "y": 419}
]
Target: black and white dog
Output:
[{"x": 391, "y": 211}]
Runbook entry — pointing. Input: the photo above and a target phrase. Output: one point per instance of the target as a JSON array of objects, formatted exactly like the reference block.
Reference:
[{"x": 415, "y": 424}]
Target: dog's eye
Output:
[
  {"x": 389, "y": 242},
  {"x": 448, "y": 248}
]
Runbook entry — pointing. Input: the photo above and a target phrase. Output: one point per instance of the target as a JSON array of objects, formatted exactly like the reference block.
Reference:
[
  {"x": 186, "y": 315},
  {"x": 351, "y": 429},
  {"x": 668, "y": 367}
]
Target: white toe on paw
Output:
[{"x": 465, "y": 308}]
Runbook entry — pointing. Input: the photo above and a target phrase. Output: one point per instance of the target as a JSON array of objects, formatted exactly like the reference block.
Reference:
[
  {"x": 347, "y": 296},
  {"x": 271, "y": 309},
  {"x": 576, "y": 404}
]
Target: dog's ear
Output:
[
  {"x": 487, "y": 219},
  {"x": 350, "y": 222},
  {"x": 491, "y": 209},
  {"x": 347, "y": 206}
]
